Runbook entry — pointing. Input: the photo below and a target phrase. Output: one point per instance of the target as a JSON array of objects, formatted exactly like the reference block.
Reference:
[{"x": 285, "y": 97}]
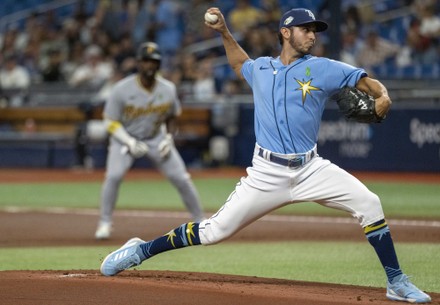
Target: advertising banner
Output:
[{"x": 408, "y": 140}]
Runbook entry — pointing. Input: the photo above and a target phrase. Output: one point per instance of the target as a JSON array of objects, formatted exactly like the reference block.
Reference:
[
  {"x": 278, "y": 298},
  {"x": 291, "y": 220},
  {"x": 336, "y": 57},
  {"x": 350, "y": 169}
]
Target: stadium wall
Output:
[{"x": 408, "y": 140}]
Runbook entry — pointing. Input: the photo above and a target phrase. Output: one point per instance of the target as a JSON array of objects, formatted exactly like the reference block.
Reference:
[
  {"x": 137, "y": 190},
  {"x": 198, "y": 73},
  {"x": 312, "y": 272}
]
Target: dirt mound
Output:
[{"x": 165, "y": 288}]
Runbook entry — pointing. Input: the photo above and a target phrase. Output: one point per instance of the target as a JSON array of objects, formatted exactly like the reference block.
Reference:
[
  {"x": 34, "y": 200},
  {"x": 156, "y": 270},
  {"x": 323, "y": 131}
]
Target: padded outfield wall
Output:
[{"x": 408, "y": 140}]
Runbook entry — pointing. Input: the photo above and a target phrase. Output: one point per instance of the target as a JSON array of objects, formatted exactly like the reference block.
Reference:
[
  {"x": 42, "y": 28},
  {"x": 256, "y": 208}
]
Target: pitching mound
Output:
[{"x": 165, "y": 288}]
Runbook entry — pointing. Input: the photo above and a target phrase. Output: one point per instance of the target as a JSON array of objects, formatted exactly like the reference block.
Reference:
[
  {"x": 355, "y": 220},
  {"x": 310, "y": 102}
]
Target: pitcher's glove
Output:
[{"x": 357, "y": 105}]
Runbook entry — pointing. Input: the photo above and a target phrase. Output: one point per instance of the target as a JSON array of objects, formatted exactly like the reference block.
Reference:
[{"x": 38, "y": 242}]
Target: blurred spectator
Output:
[
  {"x": 169, "y": 29},
  {"x": 52, "y": 70},
  {"x": 106, "y": 88},
  {"x": 430, "y": 25},
  {"x": 430, "y": 28},
  {"x": 53, "y": 50},
  {"x": 50, "y": 20},
  {"x": 8, "y": 41},
  {"x": 105, "y": 19},
  {"x": 272, "y": 13},
  {"x": 14, "y": 81},
  {"x": 143, "y": 29},
  {"x": 430, "y": 22},
  {"x": 115, "y": 18},
  {"x": 188, "y": 67},
  {"x": 32, "y": 27},
  {"x": 125, "y": 49},
  {"x": 122, "y": 55},
  {"x": 71, "y": 32},
  {"x": 244, "y": 16},
  {"x": 30, "y": 58},
  {"x": 194, "y": 16},
  {"x": 74, "y": 59},
  {"x": 256, "y": 42},
  {"x": 204, "y": 84},
  {"x": 232, "y": 87},
  {"x": 185, "y": 73},
  {"x": 351, "y": 46},
  {"x": 94, "y": 72},
  {"x": 352, "y": 20},
  {"x": 52, "y": 40},
  {"x": 376, "y": 51},
  {"x": 421, "y": 48}
]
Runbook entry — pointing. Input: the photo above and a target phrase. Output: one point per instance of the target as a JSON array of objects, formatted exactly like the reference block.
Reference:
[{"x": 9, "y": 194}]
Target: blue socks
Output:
[
  {"x": 379, "y": 236},
  {"x": 183, "y": 236}
]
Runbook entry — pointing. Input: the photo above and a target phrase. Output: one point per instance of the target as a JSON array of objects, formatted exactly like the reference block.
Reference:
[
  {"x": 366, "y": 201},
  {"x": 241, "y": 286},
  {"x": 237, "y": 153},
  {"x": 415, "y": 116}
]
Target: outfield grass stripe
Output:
[{"x": 271, "y": 218}]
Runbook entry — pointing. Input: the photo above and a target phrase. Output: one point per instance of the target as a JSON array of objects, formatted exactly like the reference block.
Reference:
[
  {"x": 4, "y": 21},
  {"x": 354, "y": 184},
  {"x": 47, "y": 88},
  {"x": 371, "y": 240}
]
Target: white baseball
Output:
[{"x": 211, "y": 18}]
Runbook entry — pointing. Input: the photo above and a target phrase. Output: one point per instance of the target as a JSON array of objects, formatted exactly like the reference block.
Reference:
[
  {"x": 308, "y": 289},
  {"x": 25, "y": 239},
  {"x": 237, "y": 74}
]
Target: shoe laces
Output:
[
  {"x": 130, "y": 261},
  {"x": 405, "y": 280},
  {"x": 405, "y": 285}
]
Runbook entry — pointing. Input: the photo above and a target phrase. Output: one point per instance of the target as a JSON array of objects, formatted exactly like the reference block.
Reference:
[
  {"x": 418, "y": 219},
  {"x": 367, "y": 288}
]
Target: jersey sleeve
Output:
[
  {"x": 246, "y": 70},
  {"x": 339, "y": 74},
  {"x": 350, "y": 75}
]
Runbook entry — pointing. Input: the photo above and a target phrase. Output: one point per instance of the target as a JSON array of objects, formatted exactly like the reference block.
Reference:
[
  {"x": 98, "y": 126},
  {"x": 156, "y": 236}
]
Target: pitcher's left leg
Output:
[{"x": 334, "y": 187}]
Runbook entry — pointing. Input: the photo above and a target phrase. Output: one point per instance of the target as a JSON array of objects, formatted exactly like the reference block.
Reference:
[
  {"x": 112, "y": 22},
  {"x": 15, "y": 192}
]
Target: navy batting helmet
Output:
[{"x": 149, "y": 50}]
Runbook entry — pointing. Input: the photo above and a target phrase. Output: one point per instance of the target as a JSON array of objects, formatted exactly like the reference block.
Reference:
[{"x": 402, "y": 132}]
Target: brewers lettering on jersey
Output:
[
  {"x": 140, "y": 115},
  {"x": 290, "y": 93}
]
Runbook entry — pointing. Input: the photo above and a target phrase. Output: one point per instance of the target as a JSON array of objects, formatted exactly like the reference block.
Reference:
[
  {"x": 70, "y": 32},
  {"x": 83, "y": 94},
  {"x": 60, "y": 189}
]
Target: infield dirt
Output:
[{"x": 164, "y": 287}]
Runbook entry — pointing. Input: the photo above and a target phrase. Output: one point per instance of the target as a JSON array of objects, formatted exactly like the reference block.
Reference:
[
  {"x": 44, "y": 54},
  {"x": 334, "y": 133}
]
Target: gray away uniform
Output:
[{"x": 143, "y": 115}]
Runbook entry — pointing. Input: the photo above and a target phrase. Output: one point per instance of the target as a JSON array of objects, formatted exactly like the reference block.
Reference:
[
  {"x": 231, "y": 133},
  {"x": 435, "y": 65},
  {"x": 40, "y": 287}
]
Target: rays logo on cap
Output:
[
  {"x": 288, "y": 20},
  {"x": 311, "y": 14}
]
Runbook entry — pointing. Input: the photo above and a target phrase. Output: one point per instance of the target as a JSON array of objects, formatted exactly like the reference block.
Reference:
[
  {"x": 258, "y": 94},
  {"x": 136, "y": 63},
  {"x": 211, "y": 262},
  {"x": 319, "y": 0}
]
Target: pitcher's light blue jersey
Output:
[{"x": 289, "y": 100}]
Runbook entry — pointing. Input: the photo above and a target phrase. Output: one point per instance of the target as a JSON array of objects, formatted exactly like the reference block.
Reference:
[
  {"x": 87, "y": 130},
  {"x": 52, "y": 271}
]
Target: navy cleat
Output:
[
  {"x": 123, "y": 258},
  {"x": 403, "y": 290}
]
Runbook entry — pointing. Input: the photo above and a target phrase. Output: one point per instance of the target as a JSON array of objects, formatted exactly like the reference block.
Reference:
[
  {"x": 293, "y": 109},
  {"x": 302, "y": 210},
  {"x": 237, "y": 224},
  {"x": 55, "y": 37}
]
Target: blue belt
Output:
[{"x": 298, "y": 161}]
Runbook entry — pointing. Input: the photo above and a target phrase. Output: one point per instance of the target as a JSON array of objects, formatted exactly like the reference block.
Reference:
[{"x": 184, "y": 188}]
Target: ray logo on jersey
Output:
[{"x": 306, "y": 88}]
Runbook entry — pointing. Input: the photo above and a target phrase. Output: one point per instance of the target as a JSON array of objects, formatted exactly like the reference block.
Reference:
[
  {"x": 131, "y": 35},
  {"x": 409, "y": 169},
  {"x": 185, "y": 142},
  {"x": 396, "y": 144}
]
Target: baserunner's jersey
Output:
[
  {"x": 141, "y": 112},
  {"x": 289, "y": 100}
]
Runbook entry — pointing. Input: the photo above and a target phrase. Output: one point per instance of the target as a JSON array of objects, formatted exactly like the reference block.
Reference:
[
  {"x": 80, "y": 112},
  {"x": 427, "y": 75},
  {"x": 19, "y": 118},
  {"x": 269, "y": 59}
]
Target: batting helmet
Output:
[{"x": 149, "y": 50}]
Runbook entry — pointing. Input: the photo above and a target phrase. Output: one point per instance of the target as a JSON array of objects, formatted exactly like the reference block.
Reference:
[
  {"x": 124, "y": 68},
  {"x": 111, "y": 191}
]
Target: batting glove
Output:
[
  {"x": 137, "y": 148},
  {"x": 165, "y": 145}
]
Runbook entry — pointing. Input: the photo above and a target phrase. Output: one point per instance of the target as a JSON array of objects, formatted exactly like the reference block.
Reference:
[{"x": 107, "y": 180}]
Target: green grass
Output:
[
  {"x": 409, "y": 200},
  {"x": 335, "y": 262},
  {"x": 332, "y": 262}
]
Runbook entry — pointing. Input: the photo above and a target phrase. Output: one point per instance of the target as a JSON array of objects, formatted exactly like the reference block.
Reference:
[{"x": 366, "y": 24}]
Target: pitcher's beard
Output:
[{"x": 303, "y": 49}]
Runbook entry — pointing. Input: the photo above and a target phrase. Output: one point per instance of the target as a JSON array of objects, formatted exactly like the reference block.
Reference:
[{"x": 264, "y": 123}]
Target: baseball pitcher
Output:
[{"x": 290, "y": 93}]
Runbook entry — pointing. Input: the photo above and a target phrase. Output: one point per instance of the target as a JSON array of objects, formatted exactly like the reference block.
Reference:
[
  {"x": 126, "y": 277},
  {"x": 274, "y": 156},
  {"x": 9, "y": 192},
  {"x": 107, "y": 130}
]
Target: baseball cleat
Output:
[
  {"x": 123, "y": 258},
  {"x": 103, "y": 231},
  {"x": 403, "y": 290}
]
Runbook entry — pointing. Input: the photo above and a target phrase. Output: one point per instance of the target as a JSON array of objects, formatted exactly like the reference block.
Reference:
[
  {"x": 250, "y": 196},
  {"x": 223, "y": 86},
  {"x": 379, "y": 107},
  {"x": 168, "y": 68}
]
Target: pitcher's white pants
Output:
[{"x": 270, "y": 186}]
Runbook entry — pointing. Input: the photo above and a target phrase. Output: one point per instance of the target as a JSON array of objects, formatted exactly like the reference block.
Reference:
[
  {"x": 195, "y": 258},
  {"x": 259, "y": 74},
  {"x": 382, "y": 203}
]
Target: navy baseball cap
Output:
[{"x": 301, "y": 16}]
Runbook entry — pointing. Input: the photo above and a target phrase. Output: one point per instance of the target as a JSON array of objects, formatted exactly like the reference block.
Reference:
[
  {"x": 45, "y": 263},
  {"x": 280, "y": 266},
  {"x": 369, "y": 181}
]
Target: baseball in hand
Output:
[{"x": 211, "y": 18}]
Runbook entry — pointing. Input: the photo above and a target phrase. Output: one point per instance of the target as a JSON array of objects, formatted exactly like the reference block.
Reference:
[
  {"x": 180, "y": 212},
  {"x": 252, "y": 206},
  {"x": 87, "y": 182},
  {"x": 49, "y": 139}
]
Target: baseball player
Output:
[
  {"x": 140, "y": 117},
  {"x": 290, "y": 93}
]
